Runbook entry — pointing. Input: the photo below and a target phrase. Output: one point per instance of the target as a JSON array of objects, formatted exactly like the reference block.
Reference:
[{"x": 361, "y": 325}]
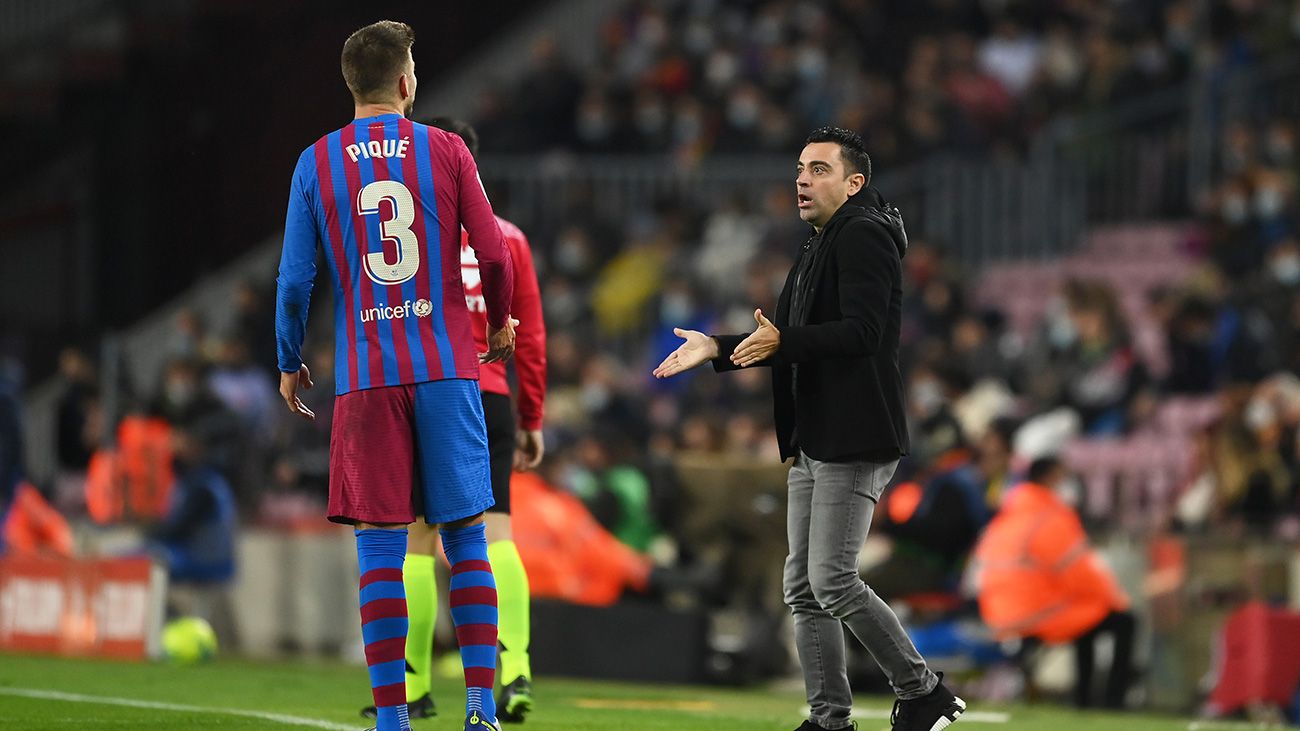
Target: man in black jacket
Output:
[{"x": 839, "y": 413}]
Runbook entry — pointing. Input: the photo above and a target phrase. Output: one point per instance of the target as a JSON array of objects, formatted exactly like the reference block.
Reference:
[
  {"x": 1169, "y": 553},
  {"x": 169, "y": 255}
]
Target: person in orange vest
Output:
[
  {"x": 567, "y": 553},
  {"x": 30, "y": 525},
  {"x": 1039, "y": 579}
]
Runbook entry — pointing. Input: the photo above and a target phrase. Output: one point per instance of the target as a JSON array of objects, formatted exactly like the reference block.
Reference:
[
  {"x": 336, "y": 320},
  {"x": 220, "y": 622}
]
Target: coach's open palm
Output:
[
  {"x": 697, "y": 350},
  {"x": 501, "y": 342}
]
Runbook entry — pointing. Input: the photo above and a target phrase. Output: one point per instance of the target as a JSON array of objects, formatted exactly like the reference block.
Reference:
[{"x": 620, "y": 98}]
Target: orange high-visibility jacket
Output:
[
  {"x": 134, "y": 480},
  {"x": 1037, "y": 574},
  {"x": 34, "y": 526},
  {"x": 566, "y": 553}
]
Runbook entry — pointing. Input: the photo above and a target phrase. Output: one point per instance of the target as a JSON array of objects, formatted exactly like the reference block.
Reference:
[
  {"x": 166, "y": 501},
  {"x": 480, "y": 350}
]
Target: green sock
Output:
[
  {"x": 422, "y": 610},
  {"x": 512, "y": 608}
]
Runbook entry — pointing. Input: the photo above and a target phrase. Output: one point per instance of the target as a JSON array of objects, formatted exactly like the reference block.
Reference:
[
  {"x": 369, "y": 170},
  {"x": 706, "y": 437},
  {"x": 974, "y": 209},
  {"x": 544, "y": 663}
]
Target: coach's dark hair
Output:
[
  {"x": 852, "y": 150},
  {"x": 374, "y": 56},
  {"x": 458, "y": 127}
]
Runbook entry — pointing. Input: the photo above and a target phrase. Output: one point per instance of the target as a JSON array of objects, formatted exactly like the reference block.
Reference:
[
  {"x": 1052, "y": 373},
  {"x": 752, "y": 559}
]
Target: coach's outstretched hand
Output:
[
  {"x": 289, "y": 383},
  {"x": 760, "y": 345},
  {"x": 501, "y": 342},
  {"x": 697, "y": 350}
]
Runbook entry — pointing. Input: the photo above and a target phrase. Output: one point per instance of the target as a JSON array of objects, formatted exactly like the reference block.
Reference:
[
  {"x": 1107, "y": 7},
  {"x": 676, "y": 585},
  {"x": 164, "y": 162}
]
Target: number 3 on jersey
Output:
[{"x": 397, "y": 228}]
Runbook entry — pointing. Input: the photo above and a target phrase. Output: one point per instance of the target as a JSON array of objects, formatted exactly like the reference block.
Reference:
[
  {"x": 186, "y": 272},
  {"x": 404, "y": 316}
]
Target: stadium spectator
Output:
[
  {"x": 614, "y": 489},
  {"x": 186, "y": 402},
  {"x": 243, "y": 387},
  {"x": 196, "y": 538},
  {"x": 78, "y": 429},
  {"x": 1037, "y": 578},
  {"x": 11, "y": 435},
  {"x": 690, "y": 79},
  {"x": 30, "y": 525},
  {"x": 1251, "y": 479}
]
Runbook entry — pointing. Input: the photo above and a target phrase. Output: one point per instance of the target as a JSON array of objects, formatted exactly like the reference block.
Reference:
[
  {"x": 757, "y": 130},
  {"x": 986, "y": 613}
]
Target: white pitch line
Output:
[
  {"x": 132, "y": 703},
  {"x": 874, "y": 714},
  {"x": 1233, "y": 726}
]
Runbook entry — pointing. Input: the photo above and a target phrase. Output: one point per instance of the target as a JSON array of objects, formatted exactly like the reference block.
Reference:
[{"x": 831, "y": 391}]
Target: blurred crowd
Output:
[
  {"x": 1223, "y": 331},
  {"x": 691, "y": 78}
]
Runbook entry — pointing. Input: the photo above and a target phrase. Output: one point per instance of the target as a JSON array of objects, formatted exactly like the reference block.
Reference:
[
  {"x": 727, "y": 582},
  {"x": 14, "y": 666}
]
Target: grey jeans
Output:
[{"x": 830, "y": 510}]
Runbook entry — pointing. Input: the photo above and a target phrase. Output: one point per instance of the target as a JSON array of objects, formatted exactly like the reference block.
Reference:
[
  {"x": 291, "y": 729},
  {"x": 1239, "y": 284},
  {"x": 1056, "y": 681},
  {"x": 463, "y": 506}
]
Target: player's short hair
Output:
[
  {"x": 374, "y": 56},
  {"x": 459, "y": 127},
  {"x": 853, "y": 151}
]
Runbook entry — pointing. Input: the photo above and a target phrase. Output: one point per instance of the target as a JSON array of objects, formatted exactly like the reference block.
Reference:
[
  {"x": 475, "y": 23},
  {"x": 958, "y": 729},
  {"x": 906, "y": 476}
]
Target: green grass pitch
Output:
[{"x": 54, "y": 693}]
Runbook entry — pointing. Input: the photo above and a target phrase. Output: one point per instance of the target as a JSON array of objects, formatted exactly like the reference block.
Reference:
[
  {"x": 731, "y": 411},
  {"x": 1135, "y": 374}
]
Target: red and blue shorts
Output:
[{"x": 401, "y": 451}]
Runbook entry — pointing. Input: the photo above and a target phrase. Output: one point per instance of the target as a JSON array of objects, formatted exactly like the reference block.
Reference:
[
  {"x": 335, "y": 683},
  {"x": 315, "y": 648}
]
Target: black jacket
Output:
[{"x": 849, "y": 400}]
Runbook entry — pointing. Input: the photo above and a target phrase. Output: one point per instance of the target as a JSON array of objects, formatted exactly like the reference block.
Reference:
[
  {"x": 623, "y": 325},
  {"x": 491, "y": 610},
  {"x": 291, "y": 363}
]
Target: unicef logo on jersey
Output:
[{"x": 420, "y": 308}]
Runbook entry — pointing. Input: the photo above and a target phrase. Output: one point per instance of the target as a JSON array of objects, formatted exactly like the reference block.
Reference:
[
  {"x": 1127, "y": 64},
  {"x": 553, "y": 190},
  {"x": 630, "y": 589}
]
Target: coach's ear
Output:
[{"x": 856, "y": 181}]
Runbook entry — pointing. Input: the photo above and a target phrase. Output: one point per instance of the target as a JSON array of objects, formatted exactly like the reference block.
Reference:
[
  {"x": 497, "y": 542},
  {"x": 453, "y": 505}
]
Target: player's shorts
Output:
[
  {"x": 500, "y": 416},
  {"x": 401, "y": 451}
]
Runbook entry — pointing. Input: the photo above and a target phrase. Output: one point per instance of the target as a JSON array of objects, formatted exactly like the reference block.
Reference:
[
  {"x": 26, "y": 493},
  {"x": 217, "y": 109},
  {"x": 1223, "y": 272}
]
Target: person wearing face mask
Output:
[
  {"x": 839, "y": 410},
  {"x": 1269, "y": 204},
  {"x": 1038, "y": 579},
  {"x": 186, "y": 402}
]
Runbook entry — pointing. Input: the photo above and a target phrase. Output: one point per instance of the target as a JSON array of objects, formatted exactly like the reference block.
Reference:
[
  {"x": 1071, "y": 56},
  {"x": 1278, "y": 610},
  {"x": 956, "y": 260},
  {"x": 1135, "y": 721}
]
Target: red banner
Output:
[{"x": 105, "y": 607}]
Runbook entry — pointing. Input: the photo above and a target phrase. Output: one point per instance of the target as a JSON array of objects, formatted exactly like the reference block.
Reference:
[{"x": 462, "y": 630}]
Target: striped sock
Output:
[
  {"x": 380, "y": 554},
  {"x": 474, "y": 612}
]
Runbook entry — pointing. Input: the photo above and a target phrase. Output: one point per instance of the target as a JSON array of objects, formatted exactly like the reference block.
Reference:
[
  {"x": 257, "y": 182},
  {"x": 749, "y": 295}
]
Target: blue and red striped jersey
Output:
[{"x": 386, "y": 199}]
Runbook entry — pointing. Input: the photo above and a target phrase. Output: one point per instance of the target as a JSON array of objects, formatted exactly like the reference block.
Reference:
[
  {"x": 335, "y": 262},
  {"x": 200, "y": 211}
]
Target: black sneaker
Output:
[
  {"x": 422, "y": 707},
  {"x": 516, "y": 701},
  {"x": 810, "y": 726},
  {"x": 933, "y": 712}
]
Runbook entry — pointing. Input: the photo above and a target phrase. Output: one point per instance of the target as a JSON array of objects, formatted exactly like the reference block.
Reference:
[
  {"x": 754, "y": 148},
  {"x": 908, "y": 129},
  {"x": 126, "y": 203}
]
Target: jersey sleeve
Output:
[
  {"x": 530, "y": 336},
  {"x": 297, "y": 267},
  {"x": 484, "y": 237}
]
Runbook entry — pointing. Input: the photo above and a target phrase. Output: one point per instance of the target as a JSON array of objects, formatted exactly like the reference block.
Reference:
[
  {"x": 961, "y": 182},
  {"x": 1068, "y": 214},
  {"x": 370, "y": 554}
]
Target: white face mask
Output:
[
  {"x": 742, "y": 112},
  {"x": 810, "y": 63},
  {"x": 1070, "y": 490},
  {"x": 571, "y": 254},
  {"x": 1234, "y": 209},
  {"x": 927, "y": 396},
  {"x": 676, "y": 307},
  {"x": 1268, "y": 202},
  {"x": 1286, "y": 269},
  {"x": 1061, "y": 332}
]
